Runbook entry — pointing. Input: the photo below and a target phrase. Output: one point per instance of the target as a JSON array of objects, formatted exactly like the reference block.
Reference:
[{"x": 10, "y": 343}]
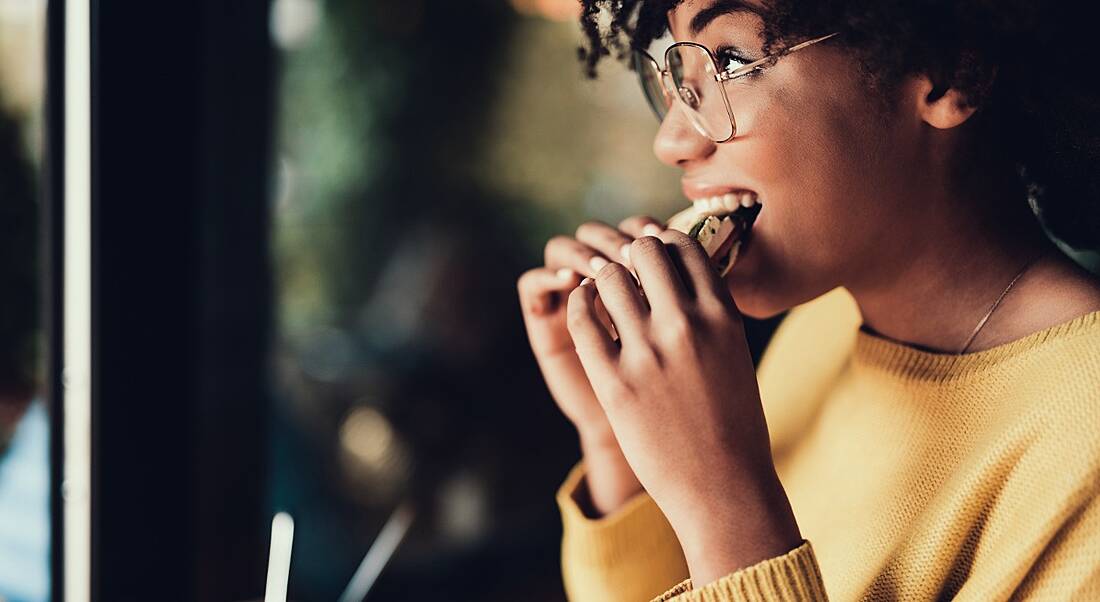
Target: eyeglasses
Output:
[{"x": 692, "y": 76}]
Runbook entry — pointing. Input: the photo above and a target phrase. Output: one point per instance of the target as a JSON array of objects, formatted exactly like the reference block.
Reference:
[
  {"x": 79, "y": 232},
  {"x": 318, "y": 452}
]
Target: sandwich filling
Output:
[{"x": 720, "y": 225}]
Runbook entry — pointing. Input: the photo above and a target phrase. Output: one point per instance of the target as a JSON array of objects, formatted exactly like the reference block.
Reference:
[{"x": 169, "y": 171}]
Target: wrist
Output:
[
  {"x": 742, "y": 530},
  {"x": 609, "y": 481}
]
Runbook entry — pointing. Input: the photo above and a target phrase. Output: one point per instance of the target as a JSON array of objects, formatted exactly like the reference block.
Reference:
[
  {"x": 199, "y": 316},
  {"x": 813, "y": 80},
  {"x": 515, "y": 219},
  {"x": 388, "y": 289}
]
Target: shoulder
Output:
[
  {"x": 1055, "y": 291},
  {"x": 1050, "y": 395},
  {"x": 1053, "y": 335},
  {"x": 1064, "y": 301}
]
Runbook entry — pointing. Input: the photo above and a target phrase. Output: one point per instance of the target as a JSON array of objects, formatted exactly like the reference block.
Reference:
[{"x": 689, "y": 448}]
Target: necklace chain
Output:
[{"x": 997, "y": 303}]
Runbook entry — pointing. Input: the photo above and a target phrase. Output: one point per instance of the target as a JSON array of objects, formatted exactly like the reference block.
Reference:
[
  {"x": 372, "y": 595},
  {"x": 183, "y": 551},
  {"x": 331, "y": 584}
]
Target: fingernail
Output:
[
  {"x": 586, "y": 281},
  {"x": 652, "y": 230},
  {"x": 597, "y": 263},
  {"x": 625, "y": 251},
  {"x": 566, "y": 274}
]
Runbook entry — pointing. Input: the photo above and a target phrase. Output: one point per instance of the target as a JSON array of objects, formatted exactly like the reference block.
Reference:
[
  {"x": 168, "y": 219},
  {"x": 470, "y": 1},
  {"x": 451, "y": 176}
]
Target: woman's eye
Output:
[{"x": 729, "y": 60}]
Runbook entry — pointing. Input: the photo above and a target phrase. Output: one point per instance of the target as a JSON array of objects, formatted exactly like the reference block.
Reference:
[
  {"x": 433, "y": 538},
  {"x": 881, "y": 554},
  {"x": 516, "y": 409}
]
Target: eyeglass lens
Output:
[
  {"x": 694, "y": 80},
  {"x": 649, "y": 75}
]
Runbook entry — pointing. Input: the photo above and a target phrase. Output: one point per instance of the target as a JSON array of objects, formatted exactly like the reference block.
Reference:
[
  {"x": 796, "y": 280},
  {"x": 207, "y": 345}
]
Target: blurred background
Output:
[
  {"x": 417, "y": 155},
  {"x": 425, "y": 151}
]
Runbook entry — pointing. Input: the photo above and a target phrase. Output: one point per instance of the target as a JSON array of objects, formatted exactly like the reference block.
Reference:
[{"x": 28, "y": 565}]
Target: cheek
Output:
[
  {"x": 807, "y": 154},
  {"x": 810, "y": 156}
]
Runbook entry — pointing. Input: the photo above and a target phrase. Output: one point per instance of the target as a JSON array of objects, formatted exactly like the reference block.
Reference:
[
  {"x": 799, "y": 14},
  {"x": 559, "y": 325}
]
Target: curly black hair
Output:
[{"x": 1030, "y": 68}]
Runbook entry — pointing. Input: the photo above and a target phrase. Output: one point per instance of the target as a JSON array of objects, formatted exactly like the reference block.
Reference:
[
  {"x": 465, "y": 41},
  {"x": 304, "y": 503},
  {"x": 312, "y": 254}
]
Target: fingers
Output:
[
  {"x": 594, "y": 346},
  {"x": 565, "y": 252},
  {"x": 605, "y": 239},
  {"x": 658, "y": 274},
  {"x": 623, "y": 301},
  {"x": 597, "y": 244},
  {"x": 541, "y": 290},
  {"x": 697, "y": 273},
  {"x": 641, "y": 225}
]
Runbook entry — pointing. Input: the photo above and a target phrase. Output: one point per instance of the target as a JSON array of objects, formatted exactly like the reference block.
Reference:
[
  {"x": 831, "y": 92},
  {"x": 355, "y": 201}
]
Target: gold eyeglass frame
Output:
[{"x": 670, "y": 90}]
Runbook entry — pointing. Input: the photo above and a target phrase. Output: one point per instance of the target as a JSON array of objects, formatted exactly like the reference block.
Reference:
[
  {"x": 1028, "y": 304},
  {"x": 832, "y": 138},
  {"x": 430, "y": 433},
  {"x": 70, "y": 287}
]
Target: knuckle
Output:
[
  {"x": 647, "y": 250},
  {"x": 675, "y": 237},
  {"x": 685, "y": 243},
  {"x": 557, "y": 242},
  {"x": 640, "y": 360},
  {"x": 713, "y": 307},
  {"x": 589, "y": 229},
  {"x": 558, "y": 249},
  {"x": 635, "y": 222},
  {"x": 525, "y": 282},
  {"x": 646, "y": 245},
  {"x": 677, "y": 330},
  {"x": 611, "y": 271},
  {"x": 533, "y": 282}
]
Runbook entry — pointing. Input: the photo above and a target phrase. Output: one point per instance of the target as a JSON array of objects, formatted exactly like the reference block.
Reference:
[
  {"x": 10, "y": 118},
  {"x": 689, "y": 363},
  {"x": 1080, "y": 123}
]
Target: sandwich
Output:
[{"x": 720, "y": 224}]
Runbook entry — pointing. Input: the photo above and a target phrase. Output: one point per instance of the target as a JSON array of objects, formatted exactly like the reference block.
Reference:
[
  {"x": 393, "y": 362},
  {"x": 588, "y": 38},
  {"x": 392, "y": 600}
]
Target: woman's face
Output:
[{"x": 837, "y": 173}]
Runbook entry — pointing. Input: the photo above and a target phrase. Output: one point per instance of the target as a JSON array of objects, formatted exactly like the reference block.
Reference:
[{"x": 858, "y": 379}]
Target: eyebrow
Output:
[{"x": 721, "y": 7}]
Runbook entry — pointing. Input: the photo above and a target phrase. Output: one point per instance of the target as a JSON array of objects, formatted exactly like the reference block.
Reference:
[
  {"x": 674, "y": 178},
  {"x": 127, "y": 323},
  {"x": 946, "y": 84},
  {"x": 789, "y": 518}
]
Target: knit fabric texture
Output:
[{"x": 915, "y": 475}]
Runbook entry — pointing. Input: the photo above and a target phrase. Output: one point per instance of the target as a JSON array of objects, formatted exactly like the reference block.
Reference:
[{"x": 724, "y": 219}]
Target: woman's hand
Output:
[
  {"x": 679, "y": 391},
  {"x": 542, "y": 293}
]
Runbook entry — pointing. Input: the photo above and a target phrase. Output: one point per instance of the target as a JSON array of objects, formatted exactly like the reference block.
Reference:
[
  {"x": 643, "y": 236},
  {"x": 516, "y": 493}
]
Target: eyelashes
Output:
[{"x": 731, "y": 59}]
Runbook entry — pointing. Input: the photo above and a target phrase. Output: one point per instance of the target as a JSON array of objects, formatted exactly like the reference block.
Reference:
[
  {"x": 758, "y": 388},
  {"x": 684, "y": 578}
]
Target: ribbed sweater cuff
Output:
[
  {"x": 636, "y": 530},
  {"x": 792, "y": 577}
]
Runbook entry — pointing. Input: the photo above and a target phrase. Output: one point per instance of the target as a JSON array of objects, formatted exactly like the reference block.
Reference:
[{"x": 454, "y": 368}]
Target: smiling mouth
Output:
[{"x": 720, "y": 224}]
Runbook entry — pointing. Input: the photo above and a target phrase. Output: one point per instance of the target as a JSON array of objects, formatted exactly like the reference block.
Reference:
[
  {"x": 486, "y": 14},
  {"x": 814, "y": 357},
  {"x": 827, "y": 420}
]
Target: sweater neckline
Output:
[{"x": 910, "y": 362}]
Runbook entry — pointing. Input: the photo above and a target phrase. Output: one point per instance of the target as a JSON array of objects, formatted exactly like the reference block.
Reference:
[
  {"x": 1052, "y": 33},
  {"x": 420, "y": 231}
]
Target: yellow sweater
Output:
[{"x": 915, "y": 476}]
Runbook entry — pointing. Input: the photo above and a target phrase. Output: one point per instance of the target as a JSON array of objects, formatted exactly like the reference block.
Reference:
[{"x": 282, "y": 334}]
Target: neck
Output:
[{"x": 938, "y": 286}]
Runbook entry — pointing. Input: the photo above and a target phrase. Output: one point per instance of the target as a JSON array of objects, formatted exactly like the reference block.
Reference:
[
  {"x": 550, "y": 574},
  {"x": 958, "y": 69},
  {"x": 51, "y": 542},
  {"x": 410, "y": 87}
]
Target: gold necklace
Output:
[{"x": 1001, "y": 297}]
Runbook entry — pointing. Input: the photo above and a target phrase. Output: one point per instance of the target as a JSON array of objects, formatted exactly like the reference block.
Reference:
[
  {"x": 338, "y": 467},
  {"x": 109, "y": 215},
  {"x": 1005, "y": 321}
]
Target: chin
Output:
[{"x": 755, "y": 303}]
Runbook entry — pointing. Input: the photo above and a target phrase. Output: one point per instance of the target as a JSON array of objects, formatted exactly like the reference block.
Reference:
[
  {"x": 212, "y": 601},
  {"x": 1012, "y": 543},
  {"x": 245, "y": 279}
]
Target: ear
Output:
[{"x": 940, "y": 108}]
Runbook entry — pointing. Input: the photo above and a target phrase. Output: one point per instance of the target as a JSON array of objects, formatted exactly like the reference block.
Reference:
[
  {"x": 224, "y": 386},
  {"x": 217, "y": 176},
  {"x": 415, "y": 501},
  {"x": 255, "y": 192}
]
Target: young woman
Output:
[{"x": 926, "y": 422}]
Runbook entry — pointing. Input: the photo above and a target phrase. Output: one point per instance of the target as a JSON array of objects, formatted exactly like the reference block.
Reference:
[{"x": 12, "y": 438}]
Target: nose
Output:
[{"x": 678, "y": 142}]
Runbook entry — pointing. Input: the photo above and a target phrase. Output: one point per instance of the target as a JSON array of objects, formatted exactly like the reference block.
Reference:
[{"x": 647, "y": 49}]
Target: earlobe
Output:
[{"x": 940, "y": 108}]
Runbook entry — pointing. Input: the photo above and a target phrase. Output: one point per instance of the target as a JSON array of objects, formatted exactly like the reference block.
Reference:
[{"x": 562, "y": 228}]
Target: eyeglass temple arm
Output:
[{"x": 723, "y": 76}]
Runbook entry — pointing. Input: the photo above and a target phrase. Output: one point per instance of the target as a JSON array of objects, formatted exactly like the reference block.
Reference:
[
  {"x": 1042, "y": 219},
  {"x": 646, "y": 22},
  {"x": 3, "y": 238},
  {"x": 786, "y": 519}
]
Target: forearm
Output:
[{"x": 609, "y": 480}]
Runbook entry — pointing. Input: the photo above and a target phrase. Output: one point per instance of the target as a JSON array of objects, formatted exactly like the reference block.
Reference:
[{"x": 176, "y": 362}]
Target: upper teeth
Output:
[{"x": 726, "y": 202}]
